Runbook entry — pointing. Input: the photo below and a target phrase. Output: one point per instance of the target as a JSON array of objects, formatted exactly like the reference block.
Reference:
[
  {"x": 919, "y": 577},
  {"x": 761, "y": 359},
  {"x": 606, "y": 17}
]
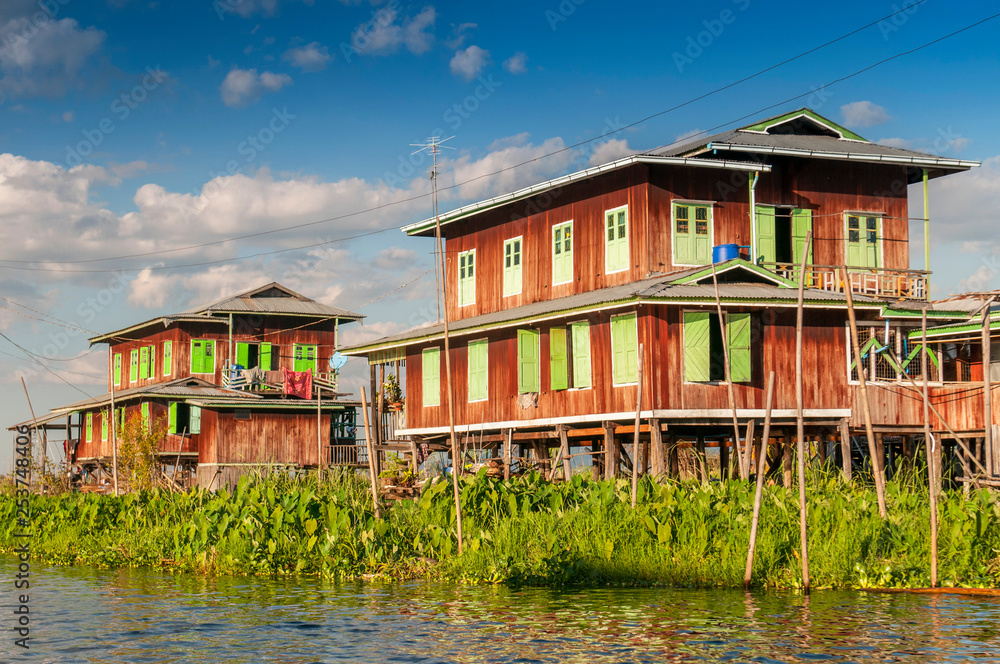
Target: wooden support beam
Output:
[
  {"x": 564, "y": 449},
  {"x": 845, "y": 450},
  {"x": 656, "y": 449},
  {"x": 673, "y": 457},
  {"x": 786, "y": 451},
  {"x": 702, "y": 460},
  {"x": 507, "y": 445},
  {"x": 611, "y": 452}
]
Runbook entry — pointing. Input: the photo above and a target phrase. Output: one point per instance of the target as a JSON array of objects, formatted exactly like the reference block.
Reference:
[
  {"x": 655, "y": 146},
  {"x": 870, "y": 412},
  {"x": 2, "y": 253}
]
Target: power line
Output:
[
  {"x": 44, "y": 366},
  {"x": 497, "y": 172}
]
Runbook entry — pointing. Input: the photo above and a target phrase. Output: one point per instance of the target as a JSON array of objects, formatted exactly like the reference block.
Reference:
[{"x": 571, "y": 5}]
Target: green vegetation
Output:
[{"x": 526, "y": 531}]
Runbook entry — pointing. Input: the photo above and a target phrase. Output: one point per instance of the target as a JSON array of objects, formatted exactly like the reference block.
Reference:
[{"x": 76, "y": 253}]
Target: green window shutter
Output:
[
  {"x": 702, "y": 235},
  {"x": 90, "y": 427},
  {"x": 172, "y": 418},
  {"x": 766, "y": 236},
  {"x": 562, "y": 253},
  {"x": 265, "y": 357},
  {"x": 512, "y": 267},
  {"x": 467, "y": 277},
  {"x": 581, "y": 354},
  {"x": 197, "y": 355},
  {"x": 133, "y": 368},
  {"x": 144, "y": 362},
  {"x": 802, "y": 224},
  {"x": 145, "y": 415},
  {"x": 431, "y": 371},
  {"x": 478, "y": 370},
  {"x": 616, "y": 240},
  {"x": 243, "y": 354},
  {"x": 152, "y": 361},
  {"x": 168, "y": 357},
  {"x": 738, "y": 338},
  {"x": 683, "y": 231},
  {"x": 312, "y": 358},
  {"x": 305, "y": 358},
  {"x": 558, "y": 362},
  {"x": 121, "y": 418},
  {"x": 208, "y": 361},
  {"x": 118, "y": 369},
  {"x": 105, "y": 416},
  {"x": 528, "y": 379},
  {"x": 697, "y": 346},
  {"x": 194, "y": 419},
  {"x": 624, "y": 349}
]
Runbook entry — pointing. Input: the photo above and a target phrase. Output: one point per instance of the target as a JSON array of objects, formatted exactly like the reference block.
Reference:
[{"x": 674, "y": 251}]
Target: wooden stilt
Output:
[
  {"x": 759, "y": 493},
  {"x": 635, "y": 444},
  {"x": 507, "y": 445},
  {"x": 724, "y": 459},
  {"x": 702, "y": 461},
  {"x": 748, "y": 451},
  {"x": 674, "y": 458},
  {"x": 845, "y": 449},
  {"x": 932, "y": 474},
  {"x": 371, "y": 455},
  {"x": 992, "y": 458},
  {"x": 729, "y": 381},
  {"x": 610, "y": 452},
  {"x": 878, "y": 462},
  {"x": 656, "y": 449},
  {"x": 564, "y": 446},
  {"x": 786, "y": 455},
  {"x": 799, "y": 420}
]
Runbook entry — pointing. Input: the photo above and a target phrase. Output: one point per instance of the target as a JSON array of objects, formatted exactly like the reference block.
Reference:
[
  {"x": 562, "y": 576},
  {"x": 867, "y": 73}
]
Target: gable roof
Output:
[
  {"x": 270, "y": 299},
  {"x": 676, "y": 288},
  {"x": 805, "y": 133}
]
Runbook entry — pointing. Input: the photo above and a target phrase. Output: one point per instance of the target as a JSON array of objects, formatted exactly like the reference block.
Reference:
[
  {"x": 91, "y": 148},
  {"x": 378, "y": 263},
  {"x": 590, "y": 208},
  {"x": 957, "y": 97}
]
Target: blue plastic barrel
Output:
[{"x": 725, "y": 252}]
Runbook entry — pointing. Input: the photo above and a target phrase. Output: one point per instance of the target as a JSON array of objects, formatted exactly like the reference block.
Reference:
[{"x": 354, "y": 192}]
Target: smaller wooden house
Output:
[{"x": 214, "y": 375}]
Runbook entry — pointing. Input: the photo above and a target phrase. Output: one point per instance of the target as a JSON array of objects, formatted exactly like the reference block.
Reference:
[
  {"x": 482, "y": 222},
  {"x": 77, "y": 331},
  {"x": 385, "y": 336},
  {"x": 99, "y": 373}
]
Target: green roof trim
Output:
[
  {"x": 957, "y": 329},
  {"x": 844, "y": 132},
  {"x": 890, "y": 312},
  {"x": 736, "y": 263}
]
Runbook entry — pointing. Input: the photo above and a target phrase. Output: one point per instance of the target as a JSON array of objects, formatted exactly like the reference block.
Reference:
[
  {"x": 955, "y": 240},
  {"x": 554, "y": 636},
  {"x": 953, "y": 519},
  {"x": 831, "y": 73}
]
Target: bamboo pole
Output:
[
  {"x": 988, "y": 442},
  {"x": 729, "y": 382},
  {"x": 866, "y": 406},
  {"x": 748, "y": 450},
  {"x": 929, "y": 444},
  {"x": 702, "y": 461},
  {"x": 371, "y": 454},
  {"x": 845, "y": 449},
  {"x": 319, "y": 433},
  {"x": 34, "y": 425},
  {"x": 799, "y": 419},
  {"x": 564, "y": 449},
  {"x": 506, "y": 454},
  {"x": 114, "y": 423},
  {"x": 635, "y": 445},
  {"x": 758, "y": 495}
]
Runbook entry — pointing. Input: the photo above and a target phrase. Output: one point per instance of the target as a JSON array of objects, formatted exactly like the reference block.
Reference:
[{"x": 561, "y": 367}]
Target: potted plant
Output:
[{"x": 392, "y": 393}]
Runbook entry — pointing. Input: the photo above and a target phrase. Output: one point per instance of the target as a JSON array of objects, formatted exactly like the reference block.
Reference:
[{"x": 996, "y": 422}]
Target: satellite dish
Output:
[{"x": 337, "y": 361}]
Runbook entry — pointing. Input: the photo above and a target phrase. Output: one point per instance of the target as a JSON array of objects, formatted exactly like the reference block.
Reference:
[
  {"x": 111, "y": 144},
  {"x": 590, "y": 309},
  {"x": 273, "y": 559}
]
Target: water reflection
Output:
[{"x": 88, "y": 615}]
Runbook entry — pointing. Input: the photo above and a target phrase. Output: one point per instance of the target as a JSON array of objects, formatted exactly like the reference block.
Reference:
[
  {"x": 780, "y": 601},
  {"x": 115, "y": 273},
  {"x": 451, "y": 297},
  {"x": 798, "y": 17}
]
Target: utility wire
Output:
[
  {"x": 502, "y": 170},
  {"x": 44, "y": 366}
]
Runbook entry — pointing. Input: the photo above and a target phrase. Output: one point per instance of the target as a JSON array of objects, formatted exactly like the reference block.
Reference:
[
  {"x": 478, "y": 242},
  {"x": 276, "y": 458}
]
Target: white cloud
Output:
[
  {"x": 459, "y": 33},
  {"x": 388, "y": 31},
  {"x": 130, "y": 169},
  {"x": 244, "y": 86},
  {"x": 610, "y": 150},
  {"x": 45, "y": 58},
  {"x": 248, "y": 8},
  {"x": 963, "y": 206},
  {"x": 468, "y": 63},
  {"x": 517, "y": 63},
  {"x": 864, "y": 114},
  {"x": 476, "y": 173},
  {"x": 311, "y": 57}
]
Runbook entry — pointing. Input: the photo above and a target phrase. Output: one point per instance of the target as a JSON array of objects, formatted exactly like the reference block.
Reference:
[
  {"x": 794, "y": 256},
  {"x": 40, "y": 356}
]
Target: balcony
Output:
[
  {"x": 883, "y": 283},
  {"x": 273, "y": 381}
]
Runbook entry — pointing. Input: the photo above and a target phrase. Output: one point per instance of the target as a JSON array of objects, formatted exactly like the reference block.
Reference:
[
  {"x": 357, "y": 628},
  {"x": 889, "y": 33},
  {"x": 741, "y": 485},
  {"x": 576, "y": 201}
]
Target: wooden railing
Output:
[
  {"x": 328, "y": 381},
  {"x": 876, "y": 282},
  {"x": 347, "y": 455}
]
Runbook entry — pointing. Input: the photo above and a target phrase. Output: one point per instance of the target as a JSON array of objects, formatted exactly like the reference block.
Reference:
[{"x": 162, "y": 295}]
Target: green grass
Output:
[{"x": 526, "y": 532}]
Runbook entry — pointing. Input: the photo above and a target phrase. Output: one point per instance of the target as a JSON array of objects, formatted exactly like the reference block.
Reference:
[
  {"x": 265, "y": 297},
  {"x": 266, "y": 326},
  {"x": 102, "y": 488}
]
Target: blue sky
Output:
[{"x": 129, "y": 127}]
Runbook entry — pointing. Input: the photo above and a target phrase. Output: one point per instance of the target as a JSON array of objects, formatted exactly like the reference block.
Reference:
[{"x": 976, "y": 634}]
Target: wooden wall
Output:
[{"x": 267, "y": 437}]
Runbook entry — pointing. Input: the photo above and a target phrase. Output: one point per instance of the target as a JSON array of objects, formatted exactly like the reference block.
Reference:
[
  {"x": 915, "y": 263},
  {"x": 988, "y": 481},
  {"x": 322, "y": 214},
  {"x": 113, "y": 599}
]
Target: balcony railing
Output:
[
  {"x": 876, "y": 282},
  {"x": 233, "y": 381},
  {"x": 347, "y": 455}
]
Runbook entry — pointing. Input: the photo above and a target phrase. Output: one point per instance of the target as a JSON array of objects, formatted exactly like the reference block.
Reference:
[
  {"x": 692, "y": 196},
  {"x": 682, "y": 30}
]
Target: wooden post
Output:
[
  {"x": 761, "y": 460},
  {"x": 992, "y": 462},
  {"x": 114, "y": 420},
  {"x": 748, "y": 451},
  {"x": 656, "y": 448},
  {"x": 673, "y": 456},
  {"x": 702, "y": 461},
  {"x": 507, "y": 444},
  {"x": 635, "y": 438},
  {"x": 786, "y": 456},
  {"x": 371, "y": 461},
  {"x": 724, "y": 459},
  {"x": 610, "y": 452},
  {"x": 866, "y": 406},
  {"x": 375, "y": 419},
  {"x": 564, "y": 448},
  {"x": 729, "y": 381},
  {"x": 319, "y": 433},
  {"x": 799, "y": 419},
  {"x": 928, "y": 443},
  {"x": 34, "y": 425},
  {"x": 845, "y": 449}
]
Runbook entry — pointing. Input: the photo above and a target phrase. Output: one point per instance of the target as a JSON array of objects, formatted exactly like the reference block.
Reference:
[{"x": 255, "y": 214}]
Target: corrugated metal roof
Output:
[
  {"x": 281, "y": 403},
  {"x": 657, "y": 288},
  {"x": 182, "y": 387}
]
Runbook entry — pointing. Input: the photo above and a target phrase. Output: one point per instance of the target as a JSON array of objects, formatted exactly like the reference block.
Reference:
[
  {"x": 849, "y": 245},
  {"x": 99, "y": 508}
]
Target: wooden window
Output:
[
  {"x": 467, "y": 278},
  {"x": 512, "y": 267},
  {"x": 863, "y": 240},
  {"x": 692, "y": 234},
  {"x": 145, "y": 416},
  {"x": 616, "y": 240},
  {"x": 90, "y": 427},
  {"x": 168, "y": 357},
  {"x": 580, "y": 340},
  {"x": 133, "y": 368},
  {"x": 265, "y": 357},
  {"x": 558, "y": 360},
  {"x": 144, "y": 363},
  {"x": 194, "y": 415},
  {"x": 304, "y": 358},
  {"x": 431, "y": 371},
  {"x": 802, "y": 224},
  {"x": 704, "y": 356},
  {"x": 625, "y": 349},
  {"x": 528, "y": 367},
  {"x": 105, "y": 416},
  {"x": 172, "y": 418},
  {"x": 183, "y": 418},
  {"x": 243, "y": 354},
  {"x": 562, "y": 253},
  {"x": 478, "y": 370},
  {"x": 203, "y": 356},
  {"x": 118, "y": 369}
]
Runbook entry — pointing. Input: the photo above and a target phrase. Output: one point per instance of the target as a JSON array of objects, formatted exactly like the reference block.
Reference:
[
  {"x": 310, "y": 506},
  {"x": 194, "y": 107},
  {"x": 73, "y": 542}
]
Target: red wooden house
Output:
[
  {"x": 552, "y": 289},
  {"x": 187, "y": 369}
]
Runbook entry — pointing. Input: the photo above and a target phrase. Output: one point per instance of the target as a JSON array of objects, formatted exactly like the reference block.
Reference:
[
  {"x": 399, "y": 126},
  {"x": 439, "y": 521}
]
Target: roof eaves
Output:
[{"x": 848, "y": 156}]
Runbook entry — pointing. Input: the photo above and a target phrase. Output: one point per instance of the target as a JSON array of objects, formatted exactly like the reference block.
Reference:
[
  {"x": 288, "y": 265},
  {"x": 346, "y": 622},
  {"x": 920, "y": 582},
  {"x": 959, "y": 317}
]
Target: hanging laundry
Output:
[
  {"x": 299, "y": 383},
  {"x": 255, "y": 376}
]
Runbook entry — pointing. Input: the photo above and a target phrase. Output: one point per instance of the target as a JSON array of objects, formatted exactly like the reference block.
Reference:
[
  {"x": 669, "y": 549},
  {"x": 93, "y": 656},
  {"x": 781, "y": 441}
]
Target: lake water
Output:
[{"x": 88, "y": 615}]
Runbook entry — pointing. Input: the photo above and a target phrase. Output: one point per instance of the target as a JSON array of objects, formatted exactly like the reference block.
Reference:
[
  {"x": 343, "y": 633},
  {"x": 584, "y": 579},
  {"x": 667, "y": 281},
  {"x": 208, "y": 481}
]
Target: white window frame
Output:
[
  {"x": 503, "y": 265},
  {"x": 475, "y": 270},
  {"x": 572, "y": 247},
  {"x": 673, "y": 227},
  {"x": 628, "y": 238}
]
